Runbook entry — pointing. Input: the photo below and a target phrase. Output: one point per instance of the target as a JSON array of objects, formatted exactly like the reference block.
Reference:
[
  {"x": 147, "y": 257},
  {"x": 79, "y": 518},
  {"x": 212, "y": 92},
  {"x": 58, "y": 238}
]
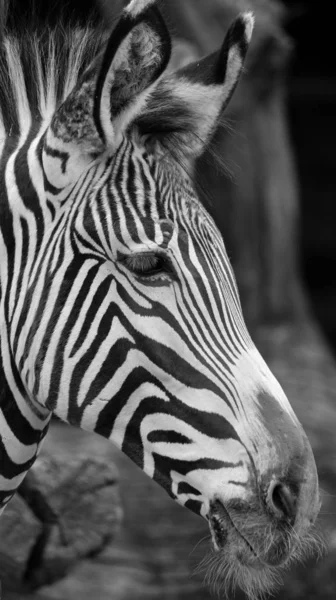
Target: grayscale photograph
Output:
[{"x": 167, "y": 300}]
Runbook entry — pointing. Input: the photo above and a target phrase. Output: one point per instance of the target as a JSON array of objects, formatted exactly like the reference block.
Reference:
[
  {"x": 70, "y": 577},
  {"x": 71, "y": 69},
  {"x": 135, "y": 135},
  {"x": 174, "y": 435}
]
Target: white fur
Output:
[
  {"x": 248, "y": 18},
  {"x": 136, "y": 7},
  {"x": 18, "y": 84}
]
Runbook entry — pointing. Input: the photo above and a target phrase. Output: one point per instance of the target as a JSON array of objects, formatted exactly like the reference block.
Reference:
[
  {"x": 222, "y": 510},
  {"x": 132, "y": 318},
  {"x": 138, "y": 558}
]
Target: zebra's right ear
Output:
[{"x": 111, "y": 94}]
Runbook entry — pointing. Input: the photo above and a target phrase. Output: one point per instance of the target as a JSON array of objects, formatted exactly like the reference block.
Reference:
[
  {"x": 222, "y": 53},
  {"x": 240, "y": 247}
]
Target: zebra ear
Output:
[
  {"x": 114, "y": 90},
  {"x": 186, "y": 106},
  {"x": 136, "y": 55}
]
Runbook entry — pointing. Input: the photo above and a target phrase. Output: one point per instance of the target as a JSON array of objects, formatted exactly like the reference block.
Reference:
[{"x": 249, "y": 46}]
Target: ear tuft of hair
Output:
[
  {"x": 136, "y": 7},
  {"x": 248, "y": 18},
  {"x": 236, "y": 43}
]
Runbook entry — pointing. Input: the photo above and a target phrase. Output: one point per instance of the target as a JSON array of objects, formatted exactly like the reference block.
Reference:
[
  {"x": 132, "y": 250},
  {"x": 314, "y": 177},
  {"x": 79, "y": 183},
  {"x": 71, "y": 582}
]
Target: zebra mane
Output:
[
  {"x": 42, "y": 60},
  {"x": 39, "y": 66}
]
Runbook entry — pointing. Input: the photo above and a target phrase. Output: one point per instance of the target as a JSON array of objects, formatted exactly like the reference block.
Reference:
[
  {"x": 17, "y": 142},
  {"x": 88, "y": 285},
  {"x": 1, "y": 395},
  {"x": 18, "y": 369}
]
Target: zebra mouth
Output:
[
  {"x": 222, "y": 529},
  {"x": 234, "y": 560},
  {"x": 219, "y": 533}
]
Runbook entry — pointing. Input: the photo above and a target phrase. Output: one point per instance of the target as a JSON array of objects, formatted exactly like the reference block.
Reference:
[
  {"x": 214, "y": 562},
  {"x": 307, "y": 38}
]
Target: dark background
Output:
[{"x": 312, "y": 103}]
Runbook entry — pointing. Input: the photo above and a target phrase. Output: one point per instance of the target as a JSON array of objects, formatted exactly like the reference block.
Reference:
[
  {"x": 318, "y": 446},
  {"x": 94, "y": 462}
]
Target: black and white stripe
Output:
[{"x": 160, "y": 363}]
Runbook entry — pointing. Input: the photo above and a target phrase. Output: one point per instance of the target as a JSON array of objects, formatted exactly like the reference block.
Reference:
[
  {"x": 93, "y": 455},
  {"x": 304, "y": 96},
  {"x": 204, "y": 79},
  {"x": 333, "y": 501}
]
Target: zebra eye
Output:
[{"x": 147, "y": 264}]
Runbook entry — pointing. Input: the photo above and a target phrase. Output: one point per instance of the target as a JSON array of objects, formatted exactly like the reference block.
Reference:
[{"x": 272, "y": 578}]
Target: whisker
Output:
[
  {"x": 206, "y": 537},
  {"x": 327, "y": 493},
  {"x": 323, "y": 514}
]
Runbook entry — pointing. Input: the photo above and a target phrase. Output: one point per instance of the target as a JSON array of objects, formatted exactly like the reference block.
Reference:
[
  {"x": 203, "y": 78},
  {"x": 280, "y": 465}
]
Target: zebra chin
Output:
[
  {"x": 259, "y": 531},
  {"x": 250, "y": 549}
]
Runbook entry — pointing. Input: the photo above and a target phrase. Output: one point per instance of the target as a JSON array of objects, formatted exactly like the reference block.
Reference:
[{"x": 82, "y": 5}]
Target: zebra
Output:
[{"x": 120, "y": 312}]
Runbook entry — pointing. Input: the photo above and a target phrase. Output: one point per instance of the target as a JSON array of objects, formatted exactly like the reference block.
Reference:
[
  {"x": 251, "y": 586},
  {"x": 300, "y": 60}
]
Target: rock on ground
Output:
[{"x": 83, "y": 493}]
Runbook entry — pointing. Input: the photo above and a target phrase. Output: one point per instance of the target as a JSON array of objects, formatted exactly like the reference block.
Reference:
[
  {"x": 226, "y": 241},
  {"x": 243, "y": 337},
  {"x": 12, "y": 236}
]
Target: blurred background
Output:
[
  {"x": 120, "y": 537},
  {"x": 312, "y": 118}
]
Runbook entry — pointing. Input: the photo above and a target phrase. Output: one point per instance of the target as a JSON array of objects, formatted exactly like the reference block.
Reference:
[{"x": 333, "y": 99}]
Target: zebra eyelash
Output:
[{"x": 148, "y": 264}]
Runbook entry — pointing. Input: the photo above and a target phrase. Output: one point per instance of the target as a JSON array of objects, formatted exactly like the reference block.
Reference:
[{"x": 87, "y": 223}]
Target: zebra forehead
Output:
[
  {"x": 160, "y": 181},
  {"x": 189, "y": 215},
  {"x": 162, "y": 212}
]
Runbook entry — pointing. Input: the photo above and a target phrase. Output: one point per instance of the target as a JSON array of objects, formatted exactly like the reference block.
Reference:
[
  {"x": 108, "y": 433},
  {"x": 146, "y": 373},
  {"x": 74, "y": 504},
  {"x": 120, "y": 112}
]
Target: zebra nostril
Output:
[{"x": 281, "y": 501}]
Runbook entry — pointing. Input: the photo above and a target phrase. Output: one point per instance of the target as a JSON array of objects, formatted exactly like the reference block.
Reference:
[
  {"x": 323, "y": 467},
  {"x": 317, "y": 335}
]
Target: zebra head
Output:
[{"x": 126, "y": 318}]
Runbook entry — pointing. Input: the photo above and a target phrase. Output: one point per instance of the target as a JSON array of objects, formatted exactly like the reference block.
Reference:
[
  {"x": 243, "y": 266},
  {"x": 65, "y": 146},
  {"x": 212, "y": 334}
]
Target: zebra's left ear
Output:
[
  {"x": 187, "y": 105},
  {"x": 113, "y": 91}
]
